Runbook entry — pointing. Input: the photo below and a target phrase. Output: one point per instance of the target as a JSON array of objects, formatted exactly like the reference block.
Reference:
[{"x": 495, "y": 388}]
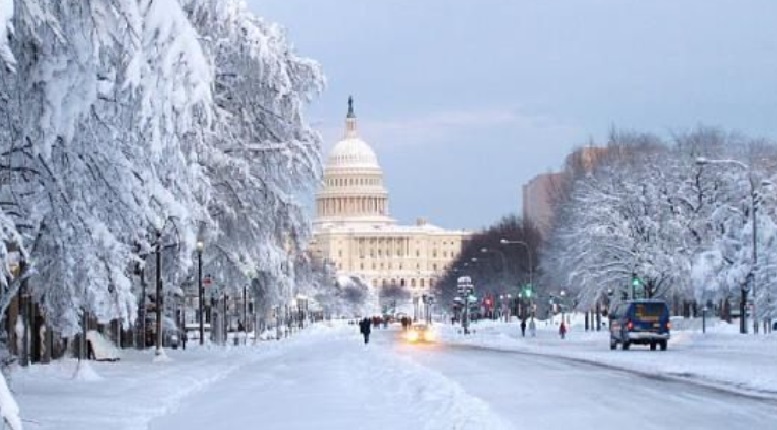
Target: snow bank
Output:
[
  {"x": 9, "y": 409},
  {"x": 104, "y": 349},
  {"x": 85, "y": 372}
]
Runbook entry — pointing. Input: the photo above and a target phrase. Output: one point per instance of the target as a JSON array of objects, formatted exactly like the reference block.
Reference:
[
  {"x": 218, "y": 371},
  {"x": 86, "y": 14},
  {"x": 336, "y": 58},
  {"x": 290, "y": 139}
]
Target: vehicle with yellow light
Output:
[{"x": 419, "y": 333}]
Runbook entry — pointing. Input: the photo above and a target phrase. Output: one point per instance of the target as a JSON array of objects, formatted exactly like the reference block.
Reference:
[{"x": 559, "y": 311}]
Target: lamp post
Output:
[
  {"x": 200, "y": 290},
  {"x": 501, "y": 254},
  {"x": 563, "y": 295},
  {"x": 528, "y": 253},
  {"x": 158, "y": 293},
  {"x": 751, "y": 276}
]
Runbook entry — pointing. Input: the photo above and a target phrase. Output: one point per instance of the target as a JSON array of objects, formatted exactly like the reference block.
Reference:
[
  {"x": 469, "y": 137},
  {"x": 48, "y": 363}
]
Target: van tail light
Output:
[{"x": 630, "y": 325}]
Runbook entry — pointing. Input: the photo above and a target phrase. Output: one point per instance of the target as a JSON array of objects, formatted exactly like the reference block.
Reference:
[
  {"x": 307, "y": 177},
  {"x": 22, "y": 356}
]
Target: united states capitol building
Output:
[{"x": 354, "y": 231}]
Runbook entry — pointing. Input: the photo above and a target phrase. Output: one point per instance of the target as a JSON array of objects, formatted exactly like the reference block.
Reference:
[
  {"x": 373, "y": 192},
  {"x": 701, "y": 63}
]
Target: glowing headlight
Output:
[
  {"x": 429, "y": 335},
  {"x": 412, "y": 336}
]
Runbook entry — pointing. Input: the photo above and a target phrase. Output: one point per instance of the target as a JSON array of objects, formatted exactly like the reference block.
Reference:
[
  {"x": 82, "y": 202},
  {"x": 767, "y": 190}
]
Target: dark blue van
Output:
[{"x": 641, "y": 322}]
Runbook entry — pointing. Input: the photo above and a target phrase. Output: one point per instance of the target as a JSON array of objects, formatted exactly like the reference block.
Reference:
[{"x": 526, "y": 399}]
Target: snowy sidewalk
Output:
[
  {"x": 126, "y": 394},
  {"x": 718, "y": 358}
]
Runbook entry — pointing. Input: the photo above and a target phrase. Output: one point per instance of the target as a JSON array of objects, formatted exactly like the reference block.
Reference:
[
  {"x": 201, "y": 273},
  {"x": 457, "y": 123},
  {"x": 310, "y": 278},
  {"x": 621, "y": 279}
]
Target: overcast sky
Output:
[{"x": 466, "y": 100}]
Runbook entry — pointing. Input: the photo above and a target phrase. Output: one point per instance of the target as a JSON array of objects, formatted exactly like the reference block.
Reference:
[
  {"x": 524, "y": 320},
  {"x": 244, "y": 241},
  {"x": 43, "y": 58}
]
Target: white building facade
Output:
[{"x": 354, "y": 232}]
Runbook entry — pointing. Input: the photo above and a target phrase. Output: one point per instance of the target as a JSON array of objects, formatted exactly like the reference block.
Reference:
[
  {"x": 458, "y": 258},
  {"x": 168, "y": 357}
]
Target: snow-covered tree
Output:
[
  {"x": 661, "y": 213},
  {"x": 130, "y": 127},
  {"x": 263, "y": 155}
]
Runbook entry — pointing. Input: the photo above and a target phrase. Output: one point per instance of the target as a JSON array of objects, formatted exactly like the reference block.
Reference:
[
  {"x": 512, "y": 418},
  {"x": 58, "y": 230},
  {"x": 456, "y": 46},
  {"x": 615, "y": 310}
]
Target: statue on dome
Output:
[{"x": 350, "y": 108}]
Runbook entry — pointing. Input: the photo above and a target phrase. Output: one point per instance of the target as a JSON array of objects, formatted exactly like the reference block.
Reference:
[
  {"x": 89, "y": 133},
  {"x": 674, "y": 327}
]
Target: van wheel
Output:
[
  {"x": 663, "y": 345},
  {"x": 626, "y": 345},
  {"x": 652, "y": 346}
]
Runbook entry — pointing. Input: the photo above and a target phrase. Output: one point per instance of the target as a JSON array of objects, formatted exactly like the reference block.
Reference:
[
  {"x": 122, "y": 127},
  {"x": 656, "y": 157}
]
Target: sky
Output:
[{"x": 464, "y": 101}]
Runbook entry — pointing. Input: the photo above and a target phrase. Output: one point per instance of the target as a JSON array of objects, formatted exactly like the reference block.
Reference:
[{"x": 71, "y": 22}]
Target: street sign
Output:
[{"x": 207, "y": 281}]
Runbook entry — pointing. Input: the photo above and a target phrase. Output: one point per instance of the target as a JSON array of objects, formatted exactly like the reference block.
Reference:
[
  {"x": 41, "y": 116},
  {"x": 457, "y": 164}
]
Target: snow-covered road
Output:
[
  {"x": 550, "y": 393},
  {"x": 334, "y": 382}
]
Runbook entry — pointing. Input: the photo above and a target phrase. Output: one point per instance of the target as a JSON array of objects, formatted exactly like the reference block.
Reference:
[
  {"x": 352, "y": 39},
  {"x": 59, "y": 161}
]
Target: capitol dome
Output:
[
  {"x": 352, "y": 189},
  {"x": 352, "y": 152}
]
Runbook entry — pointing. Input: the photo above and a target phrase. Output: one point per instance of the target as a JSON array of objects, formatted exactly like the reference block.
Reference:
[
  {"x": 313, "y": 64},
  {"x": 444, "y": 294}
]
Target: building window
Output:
[
  {"x": 361, "y": 266},
  {"x": 402, "y": 282},
  {"x": 422, "y": 282},
  {"x": 431, "y": 282},
  {"x": 340, "y": 253},
  {"x": 412, "y": 282},
  {"x": 400, "y": 266},
  {"x": 434, "y": 254},
  {"x": 417, "y": 253},
  {"x": 384, "y": 282},
  {"x": 434, "y": 267},
  {"x": 373, "y": 266}
]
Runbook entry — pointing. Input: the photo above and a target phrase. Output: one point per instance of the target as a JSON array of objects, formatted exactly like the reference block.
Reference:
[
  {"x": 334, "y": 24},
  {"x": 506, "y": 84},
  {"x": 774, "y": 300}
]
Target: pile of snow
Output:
[
  {"x": 85, "y": 372},
  {"x": 104, "y": 349},
  {"x": 9, "y": 409}
]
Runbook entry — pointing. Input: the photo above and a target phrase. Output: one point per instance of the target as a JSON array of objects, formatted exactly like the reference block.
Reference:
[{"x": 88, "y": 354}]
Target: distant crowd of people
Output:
[{"x": 367, "y": 324}]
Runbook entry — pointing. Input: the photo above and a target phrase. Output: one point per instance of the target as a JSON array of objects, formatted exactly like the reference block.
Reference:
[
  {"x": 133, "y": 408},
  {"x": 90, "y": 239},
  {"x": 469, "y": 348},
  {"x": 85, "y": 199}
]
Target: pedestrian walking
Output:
[
  {"x": 532, "y": 328},
  {"x": 562, "y": 329},
  {"x": 364, "y": 328},
  {"x": 523, "y": 328},
  {"x": 184, "y": 338}
]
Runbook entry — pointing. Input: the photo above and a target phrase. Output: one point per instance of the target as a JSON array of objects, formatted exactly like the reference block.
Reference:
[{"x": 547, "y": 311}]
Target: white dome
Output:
[{"x": 352, "y": 152}]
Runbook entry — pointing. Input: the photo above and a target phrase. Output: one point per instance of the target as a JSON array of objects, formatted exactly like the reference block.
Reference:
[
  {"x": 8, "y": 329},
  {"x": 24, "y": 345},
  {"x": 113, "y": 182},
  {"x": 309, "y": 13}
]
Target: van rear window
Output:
[{"x": 649, "y": 310}]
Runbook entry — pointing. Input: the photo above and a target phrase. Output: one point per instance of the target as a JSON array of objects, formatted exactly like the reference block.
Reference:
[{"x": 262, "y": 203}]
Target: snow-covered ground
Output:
[
  {"x": 325, "y": 378},
  {"x": 721, "y": 357}
]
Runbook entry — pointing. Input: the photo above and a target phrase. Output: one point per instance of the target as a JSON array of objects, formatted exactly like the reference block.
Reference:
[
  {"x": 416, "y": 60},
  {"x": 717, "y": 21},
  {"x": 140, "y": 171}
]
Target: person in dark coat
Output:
[
  {"x": 523, "y": 328},
  {"x": 364, "y": 327},
  {"x": 562, "y": 330}
]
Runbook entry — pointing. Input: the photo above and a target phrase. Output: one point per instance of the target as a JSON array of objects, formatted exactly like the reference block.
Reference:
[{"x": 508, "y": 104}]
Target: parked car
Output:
[{"x": 640, "y": 322}]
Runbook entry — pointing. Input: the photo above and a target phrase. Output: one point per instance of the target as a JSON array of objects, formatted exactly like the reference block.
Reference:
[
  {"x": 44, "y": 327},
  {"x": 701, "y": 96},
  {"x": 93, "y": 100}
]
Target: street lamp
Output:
[
  {"x": 751, "y": 277},
  {"x": 528, "y": 253},
  {"x": 200, "y": 290},
  {"x": 158, "y": 293},
  {"x": 563, "y": 295},
  {"x": 501, "y": 254}
]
